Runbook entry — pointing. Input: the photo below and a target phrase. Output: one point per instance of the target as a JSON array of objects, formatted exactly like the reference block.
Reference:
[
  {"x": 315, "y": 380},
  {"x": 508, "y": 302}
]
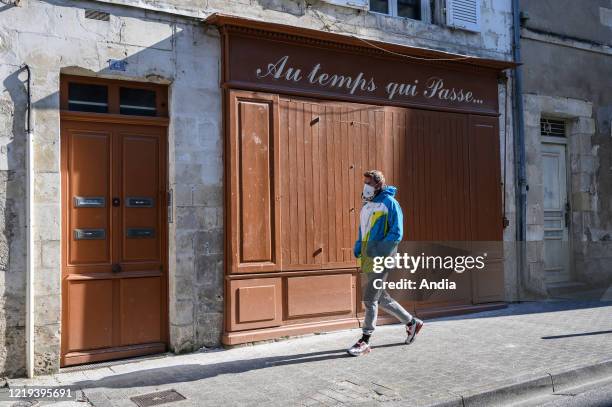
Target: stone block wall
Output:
[
  {"x": 54, "y": 39},
  {"x": 592, "y": 256}
]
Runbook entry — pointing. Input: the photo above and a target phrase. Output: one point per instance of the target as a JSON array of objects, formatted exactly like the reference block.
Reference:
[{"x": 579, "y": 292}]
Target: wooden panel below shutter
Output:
[{"x": 254, "y": 303}]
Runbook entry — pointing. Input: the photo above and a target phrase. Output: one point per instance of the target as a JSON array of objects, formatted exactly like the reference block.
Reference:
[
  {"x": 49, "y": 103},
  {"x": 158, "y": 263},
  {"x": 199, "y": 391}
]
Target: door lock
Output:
[
  {"x": 116, "y": 268},
  {"x": 116, "y": 202}
]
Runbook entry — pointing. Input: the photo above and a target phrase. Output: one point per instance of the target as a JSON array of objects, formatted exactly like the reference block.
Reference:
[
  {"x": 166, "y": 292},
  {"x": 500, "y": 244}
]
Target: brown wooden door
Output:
[{"x": 114, "y": 240}]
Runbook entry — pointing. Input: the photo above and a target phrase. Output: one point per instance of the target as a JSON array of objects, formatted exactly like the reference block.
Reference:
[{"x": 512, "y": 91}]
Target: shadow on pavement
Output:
[
  {"x": 195, "y": 372},
  {"x": 525, "y": 308},
  {"x": 574, "y": 335}
]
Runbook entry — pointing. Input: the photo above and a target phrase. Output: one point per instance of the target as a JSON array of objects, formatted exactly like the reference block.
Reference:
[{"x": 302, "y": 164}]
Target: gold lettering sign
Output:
[{"x": 262, "y": 63}]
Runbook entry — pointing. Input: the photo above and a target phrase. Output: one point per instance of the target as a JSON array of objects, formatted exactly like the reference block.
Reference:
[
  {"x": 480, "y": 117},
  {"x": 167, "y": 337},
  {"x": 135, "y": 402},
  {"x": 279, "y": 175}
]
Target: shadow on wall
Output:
[{"x": 12, "y": 235}]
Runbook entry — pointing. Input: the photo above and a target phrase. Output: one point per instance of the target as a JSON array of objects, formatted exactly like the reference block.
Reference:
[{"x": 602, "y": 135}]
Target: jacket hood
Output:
[{"x": 389, "y": 190}]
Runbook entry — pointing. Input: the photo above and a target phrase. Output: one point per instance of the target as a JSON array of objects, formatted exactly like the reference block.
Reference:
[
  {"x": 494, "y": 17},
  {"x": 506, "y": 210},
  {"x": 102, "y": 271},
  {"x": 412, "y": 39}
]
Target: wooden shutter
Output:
[
  {"x": 463, "y": 14},
  {"x": 324, "y": 147}
]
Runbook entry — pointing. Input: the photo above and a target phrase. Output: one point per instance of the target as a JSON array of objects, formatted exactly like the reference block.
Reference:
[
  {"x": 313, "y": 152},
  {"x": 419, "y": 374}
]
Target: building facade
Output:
[
  {"x": 183, "y": 157},
  {"x": 566, "y": 66}
]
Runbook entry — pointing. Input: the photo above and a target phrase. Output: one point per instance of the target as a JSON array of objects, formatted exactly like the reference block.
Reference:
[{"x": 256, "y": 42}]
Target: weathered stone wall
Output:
[
  {"x": 495, "y": 40},
  {"x": 162, "y": 41},
  {"x": 567, "y": 65},
  {"x": 55, "y": 38}
]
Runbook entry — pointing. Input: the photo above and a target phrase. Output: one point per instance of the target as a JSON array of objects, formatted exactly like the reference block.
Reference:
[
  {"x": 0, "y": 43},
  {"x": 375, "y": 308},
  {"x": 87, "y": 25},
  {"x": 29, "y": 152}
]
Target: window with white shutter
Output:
[
  {"x": 359, "y": 4},
  {"x": 463, "y": 14}
]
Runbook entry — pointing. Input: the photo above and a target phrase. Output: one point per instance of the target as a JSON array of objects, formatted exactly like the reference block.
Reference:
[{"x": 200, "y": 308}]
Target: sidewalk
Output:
[{"x": 452, "y": 361}]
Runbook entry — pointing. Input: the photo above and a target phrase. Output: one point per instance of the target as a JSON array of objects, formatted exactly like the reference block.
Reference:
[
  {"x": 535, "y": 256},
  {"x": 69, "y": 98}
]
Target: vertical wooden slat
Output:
[
  {"x": 446, "y": 196},
  {"x": 466, "y": 176},
  {"x": 308, "y": 184},
  {"x": 353, "y": 146},
  {"x": 316, "y": 181},
  {"x": 300, "y": 183},
  {"x": 374, "y": 133},
  {"x": 387, "y": 143},
  {"x": 338, "y": 181},
  {"x": 396, "y": 153},
  {"x": 454, "y": 183},
  {"x": 411, "y": 143},
  {"x": 285, "y": 192},
  {"x": 401, "y": 156},
  {"x": 330, "y": 121},
  {"x": 324, "y": 181},
  {"x": 439, "y": 155},
  {"x": 344, "y": 174},
  {"x": 293, "y": 154}
]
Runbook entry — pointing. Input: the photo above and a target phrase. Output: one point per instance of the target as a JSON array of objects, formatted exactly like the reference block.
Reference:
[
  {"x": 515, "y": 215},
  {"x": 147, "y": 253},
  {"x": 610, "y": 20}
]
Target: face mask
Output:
[{"x": 368, "y": 192}]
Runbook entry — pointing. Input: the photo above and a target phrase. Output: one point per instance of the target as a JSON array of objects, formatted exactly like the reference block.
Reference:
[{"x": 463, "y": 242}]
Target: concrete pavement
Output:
[{"x": 490, "y": 358}]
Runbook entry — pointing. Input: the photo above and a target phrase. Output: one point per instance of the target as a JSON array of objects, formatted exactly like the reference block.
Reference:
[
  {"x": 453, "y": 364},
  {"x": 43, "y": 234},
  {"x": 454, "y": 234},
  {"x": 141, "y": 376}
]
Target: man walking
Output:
[{"x": 380, "y": 231}]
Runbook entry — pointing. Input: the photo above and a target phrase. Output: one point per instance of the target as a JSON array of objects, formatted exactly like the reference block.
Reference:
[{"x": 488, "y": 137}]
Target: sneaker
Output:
[
  {"x": 412, "y": 329},
  {"x": 358, "y": 349}
]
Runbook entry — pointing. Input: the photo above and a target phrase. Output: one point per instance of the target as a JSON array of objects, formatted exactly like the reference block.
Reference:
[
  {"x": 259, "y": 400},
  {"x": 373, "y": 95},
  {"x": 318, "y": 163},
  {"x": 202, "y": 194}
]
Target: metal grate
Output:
[
  {"x": 552, "y": 128},
  {"x": 155, "y": 399},
  {"x": 97, "y": 15}
]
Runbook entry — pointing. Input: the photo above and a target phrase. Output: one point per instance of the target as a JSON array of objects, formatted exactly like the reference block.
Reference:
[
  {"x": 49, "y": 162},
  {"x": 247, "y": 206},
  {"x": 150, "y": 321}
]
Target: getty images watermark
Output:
[{"x": 457, "y": 264}]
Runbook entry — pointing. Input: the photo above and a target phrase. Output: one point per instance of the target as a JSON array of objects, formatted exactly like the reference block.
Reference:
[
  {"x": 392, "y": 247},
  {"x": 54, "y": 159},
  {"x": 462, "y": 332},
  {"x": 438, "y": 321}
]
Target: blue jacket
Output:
[{"x": 380, "y": 227}]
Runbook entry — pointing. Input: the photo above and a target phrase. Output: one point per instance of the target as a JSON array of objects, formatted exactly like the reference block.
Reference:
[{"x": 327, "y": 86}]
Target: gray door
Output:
[{"x": 556, "y": 213}]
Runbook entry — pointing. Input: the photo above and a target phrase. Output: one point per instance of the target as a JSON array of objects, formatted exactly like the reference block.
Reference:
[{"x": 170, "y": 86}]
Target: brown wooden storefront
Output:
[{"x": 306, "y": 113}]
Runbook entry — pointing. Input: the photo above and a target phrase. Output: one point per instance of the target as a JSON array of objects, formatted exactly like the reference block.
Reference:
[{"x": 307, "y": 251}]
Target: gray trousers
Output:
[{"x": 373, "y": 296}]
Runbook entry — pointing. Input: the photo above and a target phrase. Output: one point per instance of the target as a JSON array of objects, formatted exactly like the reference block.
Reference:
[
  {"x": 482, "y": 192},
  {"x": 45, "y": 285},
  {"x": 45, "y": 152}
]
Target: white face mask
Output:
[{"x": 368, "y": 192}]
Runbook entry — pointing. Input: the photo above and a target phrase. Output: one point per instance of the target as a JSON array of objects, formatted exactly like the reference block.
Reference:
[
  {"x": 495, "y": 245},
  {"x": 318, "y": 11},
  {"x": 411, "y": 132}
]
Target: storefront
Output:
[{"x": 306, "y": 113}]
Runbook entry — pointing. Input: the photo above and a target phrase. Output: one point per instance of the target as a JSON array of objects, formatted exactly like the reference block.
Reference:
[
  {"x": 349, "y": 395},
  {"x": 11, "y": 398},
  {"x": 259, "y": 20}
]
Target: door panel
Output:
[
  {"x": 556, "y": 241},
  {"x": 254, "y": 213},
  {"x": 255, "y": 168},
  {"x": 89, "y": 160},
  {"x": 114, "y": 286},
  {"x": 140, "y": 311},
  {"x": 140, "y": 194},
  {"x": 90, "y": 323}
]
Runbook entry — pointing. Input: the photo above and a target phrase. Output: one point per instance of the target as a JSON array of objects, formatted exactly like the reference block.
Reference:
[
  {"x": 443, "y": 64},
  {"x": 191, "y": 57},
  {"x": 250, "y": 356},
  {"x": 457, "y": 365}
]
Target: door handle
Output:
[
  {"x": 116, "y": 268},
  {"x": 567, "y": 214}
]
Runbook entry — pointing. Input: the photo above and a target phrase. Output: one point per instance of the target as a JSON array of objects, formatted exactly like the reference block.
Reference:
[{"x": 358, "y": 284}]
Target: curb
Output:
[{"x": 526, "y": 387}]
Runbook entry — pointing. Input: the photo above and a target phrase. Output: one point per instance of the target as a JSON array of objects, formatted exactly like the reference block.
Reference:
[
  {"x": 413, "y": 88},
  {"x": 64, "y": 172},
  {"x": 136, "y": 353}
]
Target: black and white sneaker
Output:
[
  {"x": 412, "y": 329},
  {"x": 360, "y": 348}
]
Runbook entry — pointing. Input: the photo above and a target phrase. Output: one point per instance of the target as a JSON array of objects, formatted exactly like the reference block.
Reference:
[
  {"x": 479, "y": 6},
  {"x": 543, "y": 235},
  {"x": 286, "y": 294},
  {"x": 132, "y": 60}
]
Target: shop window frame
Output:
[{"x": 113, "y": 85}]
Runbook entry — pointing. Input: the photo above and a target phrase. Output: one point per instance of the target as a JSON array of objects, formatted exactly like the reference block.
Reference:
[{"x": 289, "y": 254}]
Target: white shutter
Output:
[
  {"x": 464, "y": 14},
  {"x": 360, "y": 4}
]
